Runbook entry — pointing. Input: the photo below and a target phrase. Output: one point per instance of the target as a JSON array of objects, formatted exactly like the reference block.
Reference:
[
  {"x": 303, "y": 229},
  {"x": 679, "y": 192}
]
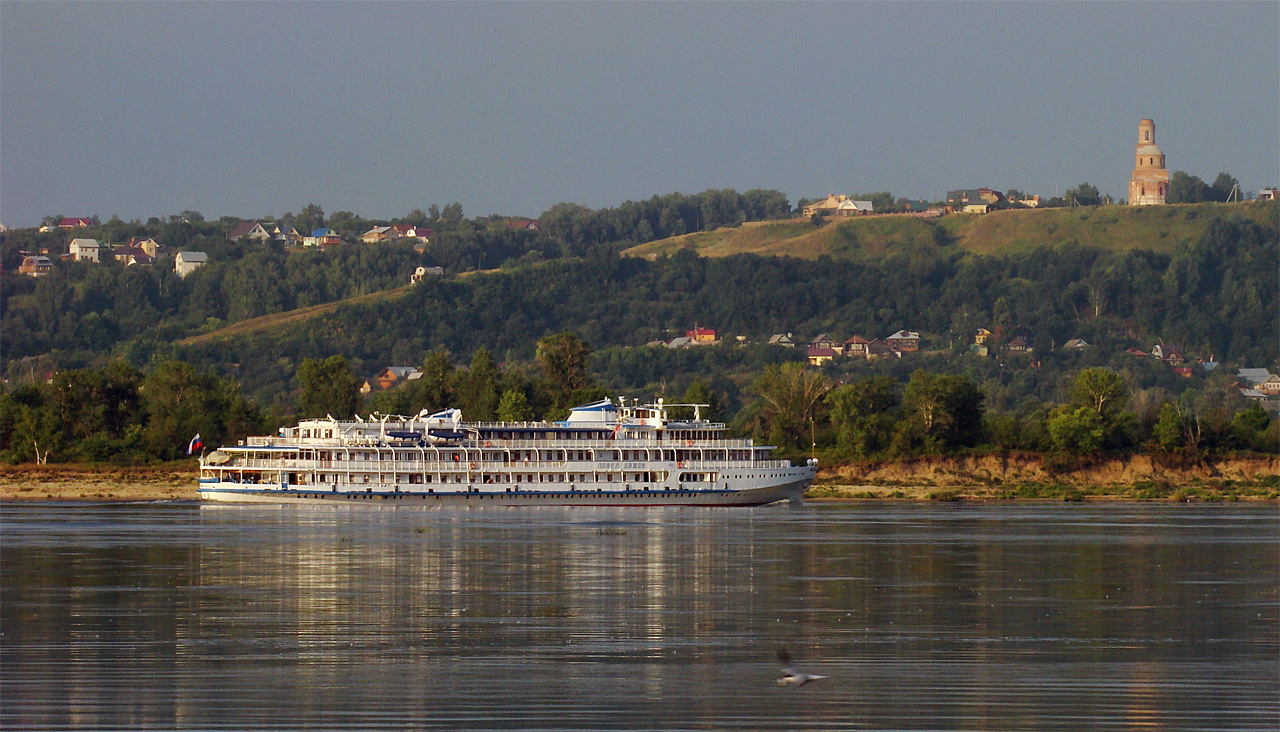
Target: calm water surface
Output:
[{"x": 925, "y": 617}]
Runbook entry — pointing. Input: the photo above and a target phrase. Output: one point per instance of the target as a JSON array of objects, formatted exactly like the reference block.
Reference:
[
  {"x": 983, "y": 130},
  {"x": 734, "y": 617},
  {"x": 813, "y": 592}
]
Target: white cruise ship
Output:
[{"x": 602, "y": 455}]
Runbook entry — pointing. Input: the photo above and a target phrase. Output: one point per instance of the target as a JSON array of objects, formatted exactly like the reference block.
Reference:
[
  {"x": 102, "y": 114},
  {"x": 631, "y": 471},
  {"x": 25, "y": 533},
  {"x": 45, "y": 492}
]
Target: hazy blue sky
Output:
[{"x": 249, "y": 109}]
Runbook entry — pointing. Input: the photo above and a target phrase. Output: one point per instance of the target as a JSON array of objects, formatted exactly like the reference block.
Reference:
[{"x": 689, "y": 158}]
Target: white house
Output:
[
  {"x": 187, "y": 262},
  {"x": 84, "y": 250}
]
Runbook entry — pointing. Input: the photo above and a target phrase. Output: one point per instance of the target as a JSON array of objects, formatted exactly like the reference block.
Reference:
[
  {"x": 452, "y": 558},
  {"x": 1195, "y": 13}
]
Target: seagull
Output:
[{"x": 790, "y": 676}]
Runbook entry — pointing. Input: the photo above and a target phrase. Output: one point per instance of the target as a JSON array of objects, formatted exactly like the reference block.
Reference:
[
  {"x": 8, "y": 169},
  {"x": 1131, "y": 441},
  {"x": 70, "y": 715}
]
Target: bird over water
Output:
[{"x": 790, "y": 676}]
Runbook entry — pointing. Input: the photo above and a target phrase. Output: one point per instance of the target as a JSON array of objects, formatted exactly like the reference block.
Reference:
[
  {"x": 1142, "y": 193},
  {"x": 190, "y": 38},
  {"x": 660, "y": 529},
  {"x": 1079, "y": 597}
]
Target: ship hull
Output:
[{"x": 235, "y": 493}]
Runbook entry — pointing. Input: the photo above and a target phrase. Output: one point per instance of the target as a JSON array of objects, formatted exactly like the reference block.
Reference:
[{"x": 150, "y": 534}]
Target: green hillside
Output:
[{"x": 1115, "y": 228}]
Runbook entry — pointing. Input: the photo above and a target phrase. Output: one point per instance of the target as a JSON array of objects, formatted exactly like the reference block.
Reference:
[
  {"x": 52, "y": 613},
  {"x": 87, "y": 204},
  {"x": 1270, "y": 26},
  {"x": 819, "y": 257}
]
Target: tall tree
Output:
[
  {"x": 328, "y": 387},
  {"x": 563, "y": 358}
]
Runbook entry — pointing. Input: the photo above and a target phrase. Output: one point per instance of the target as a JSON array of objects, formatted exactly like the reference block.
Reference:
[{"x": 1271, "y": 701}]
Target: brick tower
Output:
[{"x": 1150, "y": 183}]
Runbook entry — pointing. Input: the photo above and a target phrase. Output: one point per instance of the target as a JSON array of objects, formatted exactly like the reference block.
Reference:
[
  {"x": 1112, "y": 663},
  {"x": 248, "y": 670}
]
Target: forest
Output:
[{"x": 90, "y": 348}]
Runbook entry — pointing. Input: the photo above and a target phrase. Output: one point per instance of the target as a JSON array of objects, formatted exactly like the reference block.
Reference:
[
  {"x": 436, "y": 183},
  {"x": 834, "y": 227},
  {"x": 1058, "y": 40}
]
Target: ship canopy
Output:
[{"x": 601, "y": 412}]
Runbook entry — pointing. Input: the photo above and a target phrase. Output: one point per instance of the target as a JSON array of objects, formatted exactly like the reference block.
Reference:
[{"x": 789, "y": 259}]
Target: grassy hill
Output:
[
  {"x": 1115, "y": 228},
  {"x": 276, "y": 321}
]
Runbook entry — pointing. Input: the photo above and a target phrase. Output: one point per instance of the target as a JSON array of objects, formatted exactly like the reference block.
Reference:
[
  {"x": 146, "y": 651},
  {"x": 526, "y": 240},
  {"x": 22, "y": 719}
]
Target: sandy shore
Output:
[
  {"x": 60, "y": 482},
  {"x": 178, "y": 482}
]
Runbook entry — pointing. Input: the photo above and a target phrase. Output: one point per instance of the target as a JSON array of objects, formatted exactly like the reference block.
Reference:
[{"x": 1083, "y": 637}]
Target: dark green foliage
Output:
[{"x": 328, "y": 387}]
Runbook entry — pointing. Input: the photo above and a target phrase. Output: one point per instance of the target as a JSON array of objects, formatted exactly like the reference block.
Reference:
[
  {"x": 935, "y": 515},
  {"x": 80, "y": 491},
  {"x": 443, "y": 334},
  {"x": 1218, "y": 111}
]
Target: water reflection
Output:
[{"x": 925, "y": 617}]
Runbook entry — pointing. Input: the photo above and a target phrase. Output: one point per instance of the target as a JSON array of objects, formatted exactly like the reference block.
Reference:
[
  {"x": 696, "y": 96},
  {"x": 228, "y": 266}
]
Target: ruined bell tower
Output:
[{"x": 1149, "y": 185}]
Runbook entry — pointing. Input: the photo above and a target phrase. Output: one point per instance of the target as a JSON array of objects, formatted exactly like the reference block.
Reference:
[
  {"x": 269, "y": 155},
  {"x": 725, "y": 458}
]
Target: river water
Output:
[{"x": 923, "y": 616}]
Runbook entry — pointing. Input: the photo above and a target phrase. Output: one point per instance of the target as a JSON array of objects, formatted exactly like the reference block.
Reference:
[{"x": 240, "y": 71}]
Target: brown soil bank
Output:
[
  {"x": 75, "y": 482},
  {"x": 1138, "y": 477}
]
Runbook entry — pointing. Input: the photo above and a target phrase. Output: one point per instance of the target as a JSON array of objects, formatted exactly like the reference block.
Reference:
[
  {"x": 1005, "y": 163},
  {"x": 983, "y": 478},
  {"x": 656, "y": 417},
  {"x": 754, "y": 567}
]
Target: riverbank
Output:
[
  {"x": 1035, "y": 477},
  {"x": 97, "y": 483},
  {"x": 979, "y": 478}
]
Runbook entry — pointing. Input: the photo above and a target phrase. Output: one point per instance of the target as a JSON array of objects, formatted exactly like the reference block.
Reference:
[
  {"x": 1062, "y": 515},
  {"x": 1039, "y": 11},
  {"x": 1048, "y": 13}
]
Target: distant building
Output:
[
  {"x": 84, "y": 250},
  {"x": 249, "y": 230},
  {"x": 819, "y": 356},
  {"x": 1149, "y": 185},
  {"x": 701, "y": 335},
  {"x": 904, "y": 341},
  {"x": 421, "y": 274},
  {"x": 36, "y": 265},
  {"x": 78, "y": 222},
  {"x": 782, "y": 339},
  {"x": 187, "y": 262},
  {"x": 1268, "y": 194}
]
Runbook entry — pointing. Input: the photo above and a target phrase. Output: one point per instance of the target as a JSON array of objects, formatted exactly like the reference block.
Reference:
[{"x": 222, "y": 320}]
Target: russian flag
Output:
[{"x": 195, "y": 444}]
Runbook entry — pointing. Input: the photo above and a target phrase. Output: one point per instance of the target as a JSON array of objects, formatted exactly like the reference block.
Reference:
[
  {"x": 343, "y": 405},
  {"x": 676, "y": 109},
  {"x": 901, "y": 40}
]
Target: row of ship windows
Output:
[{"x": 541, "y": 455}]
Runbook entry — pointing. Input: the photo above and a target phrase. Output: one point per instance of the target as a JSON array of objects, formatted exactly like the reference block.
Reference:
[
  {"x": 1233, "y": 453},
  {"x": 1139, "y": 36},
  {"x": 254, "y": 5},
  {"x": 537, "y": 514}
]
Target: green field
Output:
[{"x": 1114, "y": 228}]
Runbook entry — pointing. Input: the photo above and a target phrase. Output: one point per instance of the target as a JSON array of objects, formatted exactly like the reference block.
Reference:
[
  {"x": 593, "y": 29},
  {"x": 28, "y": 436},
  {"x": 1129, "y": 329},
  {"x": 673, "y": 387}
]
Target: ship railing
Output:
[
  {"x": 451, "y": 466},
  {"x": 392, "y": 443}
]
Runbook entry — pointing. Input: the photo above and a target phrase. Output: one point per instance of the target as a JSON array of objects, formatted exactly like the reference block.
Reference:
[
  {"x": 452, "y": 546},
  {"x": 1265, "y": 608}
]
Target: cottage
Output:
[
  {"x": 850, "y": 207},
  {"x": 1250, "y": 377},
  {"x": 421, "y": 274},
  {"x": 286, "y": 234},
  {"x": 823, "y": 341},
  {"x": 187, "y": 262},
  {"x": 321, "y": 238},
  {"x": 1017, "y": 344},
  {"x": 904, "y": 341},
  {"x": 980, "y": 338},
  {"x": 84, "y": 250},
  {"x": 249, "y": 230},
  {"x": 525, "y": 224},
  {"x": 392, "y": 375},
  {"x": 79, "y": 222},
  {"x": 1076, "y": 344},
  {"x": 828, "y": 206},
  {"x": 856, "y": 347},
  {"x": 701, "y": 336},
  {"x": 782, "y": 339},
  {"x": 421, "y": 233},
  {"x": 35, "y": 265},
  {"x": 378, "y": 234},
  {"x": 1167, "y": 353},
  {"x": 819, "y": 356},
  {"x": 131, "y": 255},
  {"x": 880, "y": 349},
  {"x": 682, "y": 342}
]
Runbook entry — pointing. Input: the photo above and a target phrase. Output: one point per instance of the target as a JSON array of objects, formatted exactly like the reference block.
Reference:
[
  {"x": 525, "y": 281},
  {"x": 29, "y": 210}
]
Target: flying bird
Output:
[{"x": 790, "y": 676}]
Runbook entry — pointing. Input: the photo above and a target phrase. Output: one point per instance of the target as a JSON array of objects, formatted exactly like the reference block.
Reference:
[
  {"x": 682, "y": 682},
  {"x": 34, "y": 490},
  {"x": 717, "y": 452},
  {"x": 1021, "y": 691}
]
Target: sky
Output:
[{"x": 254, "y": 109}]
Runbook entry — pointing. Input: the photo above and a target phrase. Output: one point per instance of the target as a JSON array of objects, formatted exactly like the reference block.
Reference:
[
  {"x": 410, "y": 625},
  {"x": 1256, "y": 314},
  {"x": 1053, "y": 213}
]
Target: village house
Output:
[
  {"x": 1017, "y": 344},
  {"x": 526, "y": 224},
  {"x": 1076, "y": 344},
  {"x": 850, "y": 207},
  {"x": 1268, "y": 194},
  {"x": 187, "y": 262},
  {"x": 828, "y": 206},
  {"x": 83, "y": 250},
  {"x": 879, "y": 349},
  {"x": 378, "y": 234},
  {"x": 79, "y": 222},
  {"x": 819, "y": 356},
  {"x": 904, "y": 341},
  {"x": 149, "y": 246},
  {"x": 131, "y": 255},
  {"x": 421, "y": 273},
  {"x": 782, "y": 339},
  {"x": 249, "y": 230},
  {"x": 1261, "y": 380},
  {"x": 823, "y": 341},
  {"x": 681, "y": 342},
  {"x": 392, "y": 375},
  {"x": 421, "y": 233},
  {"x": 1171, "y": 355},
  {"x": 701, "y": 336},
  {"x": 35, "y": 265},
  {"x": 980, "y": 338},
  {"x": 286, "y": 234},
  {"x": 856, "y": 347},
  {"x": 973, "y": 200},
  {"x": 321, "y": 238}
]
